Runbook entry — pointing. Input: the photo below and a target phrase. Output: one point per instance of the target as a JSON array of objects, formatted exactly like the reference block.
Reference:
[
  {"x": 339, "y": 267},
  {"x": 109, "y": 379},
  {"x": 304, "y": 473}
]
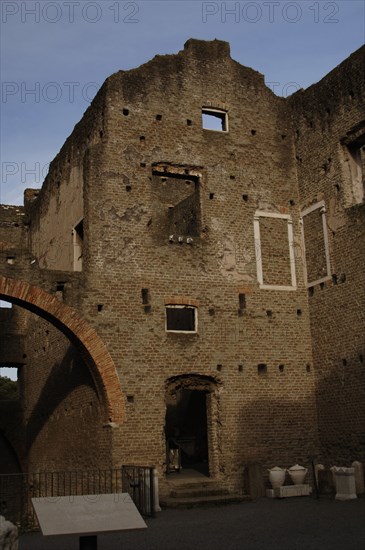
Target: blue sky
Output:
[{"x": 55, "y": 55}]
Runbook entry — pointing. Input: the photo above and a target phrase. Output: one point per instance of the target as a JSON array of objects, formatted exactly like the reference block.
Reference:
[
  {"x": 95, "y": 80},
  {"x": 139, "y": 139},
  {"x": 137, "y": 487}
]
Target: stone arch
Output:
[
  {"x": 211, "y": 387},
  {"x": 79, "y": 332}
]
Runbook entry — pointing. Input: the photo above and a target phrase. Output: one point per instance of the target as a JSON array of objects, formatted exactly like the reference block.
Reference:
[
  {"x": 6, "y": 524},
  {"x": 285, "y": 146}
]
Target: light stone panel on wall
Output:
[
  {"x": 274, "y": 251},
  {"x": 316, "y": 244}
]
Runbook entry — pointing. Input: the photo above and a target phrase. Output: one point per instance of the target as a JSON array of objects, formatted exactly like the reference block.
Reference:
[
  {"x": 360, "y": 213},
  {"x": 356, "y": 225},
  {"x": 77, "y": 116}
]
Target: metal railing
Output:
[
  {"x": 17, "y": 490},
  {"x": 139, "y": 482}
]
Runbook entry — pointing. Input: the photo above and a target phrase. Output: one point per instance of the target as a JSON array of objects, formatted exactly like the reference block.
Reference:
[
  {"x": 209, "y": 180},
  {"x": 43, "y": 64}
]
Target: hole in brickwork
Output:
[
  {"x": 211, "y": 311},
  {"x": 100, "y": 307},
  {"x": 344, "y": 362},
  {"x": 283, "y": 136},
  {"x": 219, "y": 368},
  {"x": 60, "y": 286},
  {"x": 128, "y": 188},
  {"x": 101, "y": 134},
  {"x": 291, "y": 202},
  {"x": 142, "y": 138},
  {"x": 211, "y": 196},
  {"x": 310, "y": 291},
  {"x": 361, "y": 358},
  {"x": 337, "y": 187},
  {"x": 158, "y": 117},
  {"x": 328, "y": 110},
  {"x": 125, "y": 112},
  {"x": 321, "y": 286},
  {"x": 342, "y": 278},
  {"x": 24, "y": 355},
  {"x": 269, "y": 313},
  {"x": 253, "y": 132},
  {"x": 145, "y": 296},
  {"x": 232, "y": 177},
  {"x": 189, "y": 122},
  {"x": 147, "y": 309},
  {"x": 261, "y": 369},
  {"x": 143, "y": 165},
  {"x": 281, "y": 368},
  {"x": 334, "y": 279},
  {"x": 130, "y": 398},
  {"x": 10, "y": 260},
  {"x": 308, "y": 368},
  {"x": 297, "y": 133},
  {"x": 245, "y": 198},
  {"x": 351, "y": 94},
  {"x": 299, "y": 312},
  {"x": 240, "y": 368}
]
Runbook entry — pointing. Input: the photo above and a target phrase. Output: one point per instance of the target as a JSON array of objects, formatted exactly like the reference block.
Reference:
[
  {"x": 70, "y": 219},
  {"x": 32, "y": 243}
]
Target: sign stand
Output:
[{"x": 87, "y": 515}]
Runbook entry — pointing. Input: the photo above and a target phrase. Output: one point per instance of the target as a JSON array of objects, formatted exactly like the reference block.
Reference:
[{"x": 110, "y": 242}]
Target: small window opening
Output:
[
  {"x": 143, "y": 165},
  {"x": 128, "y": 188},
  {"x": 142, "y": 138},
  {"x": 245, "y": 198},
  {"x": 158, "y": 117},
  {"x": 308, "y": 368},
  {"x": 281, "y": 368},
  {"x": 232, "y": 177},
  {"x": 219, "y": 368},
  {"x": 189, "y": 122},
  {"x": 60, "y": 286},
  {"x": 214, "y": 119},
  {"x": 344, "y": 362},
  {"x": 261, "y": 369},
  {"x": 299, "y": 312},
  {"x": 145, "y": 296},
  {"x": 100, "y": 307},
  {"x": 125, "y": 112},
  {"x": 361, "y": 358},
  {"x": 242, "y": 304},
  {"x": 211, "y": 196},
  {"x": 181, "y": 318},
  {"x": 240, "y": 368},
  {"x": 269, "y": 313},
  {"x": 291, "y": 202},
  {"x": 130, "y": 398},
  {"x": 253, "y": 132}
]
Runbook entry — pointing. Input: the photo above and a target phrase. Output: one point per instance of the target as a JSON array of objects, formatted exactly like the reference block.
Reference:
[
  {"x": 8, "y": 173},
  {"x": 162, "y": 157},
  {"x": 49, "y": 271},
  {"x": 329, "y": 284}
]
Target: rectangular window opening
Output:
[
  {"x": 215, "y": 119},
  {"x": 181, "y": 318}
]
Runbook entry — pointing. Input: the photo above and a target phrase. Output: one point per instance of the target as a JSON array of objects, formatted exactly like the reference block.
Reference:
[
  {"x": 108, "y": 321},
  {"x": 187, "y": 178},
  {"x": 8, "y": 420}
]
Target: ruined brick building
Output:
[{"x": 174, "y": 282}]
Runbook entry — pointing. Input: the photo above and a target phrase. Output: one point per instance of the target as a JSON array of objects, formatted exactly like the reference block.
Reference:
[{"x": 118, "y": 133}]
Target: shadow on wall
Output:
[
  {"x": 277, "y": 432},
  {"x": 341, "y": 411},
  {"x": 66, "y": 414},
  {"x": 9, "y": 463}
]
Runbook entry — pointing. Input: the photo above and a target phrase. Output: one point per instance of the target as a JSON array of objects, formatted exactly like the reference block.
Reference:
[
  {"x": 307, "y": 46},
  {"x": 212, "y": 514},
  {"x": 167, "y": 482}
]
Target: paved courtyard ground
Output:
[{"x": 289, "y": 524}]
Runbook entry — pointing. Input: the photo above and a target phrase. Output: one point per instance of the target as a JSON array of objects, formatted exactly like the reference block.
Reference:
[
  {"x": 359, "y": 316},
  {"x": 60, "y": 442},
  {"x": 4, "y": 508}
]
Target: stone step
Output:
[
  {"x": 192, "y": 502},
  {"x": 181, "y": 492}
]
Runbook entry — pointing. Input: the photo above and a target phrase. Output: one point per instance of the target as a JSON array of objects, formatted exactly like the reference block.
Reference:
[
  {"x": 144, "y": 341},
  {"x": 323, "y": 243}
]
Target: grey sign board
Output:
[{"x": 87, "y": 514}]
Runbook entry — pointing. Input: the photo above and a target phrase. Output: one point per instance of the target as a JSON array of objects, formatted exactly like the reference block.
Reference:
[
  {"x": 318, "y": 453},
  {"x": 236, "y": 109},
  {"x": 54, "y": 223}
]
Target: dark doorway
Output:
[{"x": 186, "y": 430}]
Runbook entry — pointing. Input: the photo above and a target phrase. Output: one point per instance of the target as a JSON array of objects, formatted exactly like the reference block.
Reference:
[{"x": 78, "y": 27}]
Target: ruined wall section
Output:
[
  {"x": 329, "y": 120},
  {"x": 57, "y": 245},
  {"x": 61, "y": 409},
  {"x": 154, "y": 137}
]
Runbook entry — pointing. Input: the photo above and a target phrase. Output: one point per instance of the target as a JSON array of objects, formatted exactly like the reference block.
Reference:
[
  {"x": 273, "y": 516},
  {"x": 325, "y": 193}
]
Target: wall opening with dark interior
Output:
[
  {"x": 186, "y": 428},
  {"x": 176, "y": 203},
  {"x": 180, "y": 318}
]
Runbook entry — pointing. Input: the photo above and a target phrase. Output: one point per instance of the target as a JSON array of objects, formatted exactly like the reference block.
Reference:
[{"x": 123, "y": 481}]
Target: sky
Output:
[{"x": 56, "y": 54}]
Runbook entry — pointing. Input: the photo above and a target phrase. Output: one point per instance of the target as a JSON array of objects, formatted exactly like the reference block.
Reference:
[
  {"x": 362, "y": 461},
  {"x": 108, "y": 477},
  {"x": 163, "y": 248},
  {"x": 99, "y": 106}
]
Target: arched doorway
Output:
[
  {"x": 191, "y": 424},
  {"x": 80, "y": 334}
]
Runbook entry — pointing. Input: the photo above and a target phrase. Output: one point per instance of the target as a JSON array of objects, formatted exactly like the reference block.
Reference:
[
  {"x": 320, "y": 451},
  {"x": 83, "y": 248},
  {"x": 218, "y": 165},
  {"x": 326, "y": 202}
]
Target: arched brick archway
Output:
[{"x": 79, "y": 332}]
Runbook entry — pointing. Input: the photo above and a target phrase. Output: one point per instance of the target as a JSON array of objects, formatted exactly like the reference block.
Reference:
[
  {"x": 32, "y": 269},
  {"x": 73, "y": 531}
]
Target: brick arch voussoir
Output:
[{"x": 80, "y": 333}]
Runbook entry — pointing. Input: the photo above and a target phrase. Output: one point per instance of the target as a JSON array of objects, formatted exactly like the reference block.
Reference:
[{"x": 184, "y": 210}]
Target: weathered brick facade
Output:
[{"x": 168, "y": 225}]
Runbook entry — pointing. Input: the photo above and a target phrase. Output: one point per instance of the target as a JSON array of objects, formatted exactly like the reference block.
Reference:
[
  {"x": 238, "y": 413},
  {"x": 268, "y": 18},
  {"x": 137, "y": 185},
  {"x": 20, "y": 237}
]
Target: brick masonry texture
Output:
[{"x": 168, "y": 211}]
